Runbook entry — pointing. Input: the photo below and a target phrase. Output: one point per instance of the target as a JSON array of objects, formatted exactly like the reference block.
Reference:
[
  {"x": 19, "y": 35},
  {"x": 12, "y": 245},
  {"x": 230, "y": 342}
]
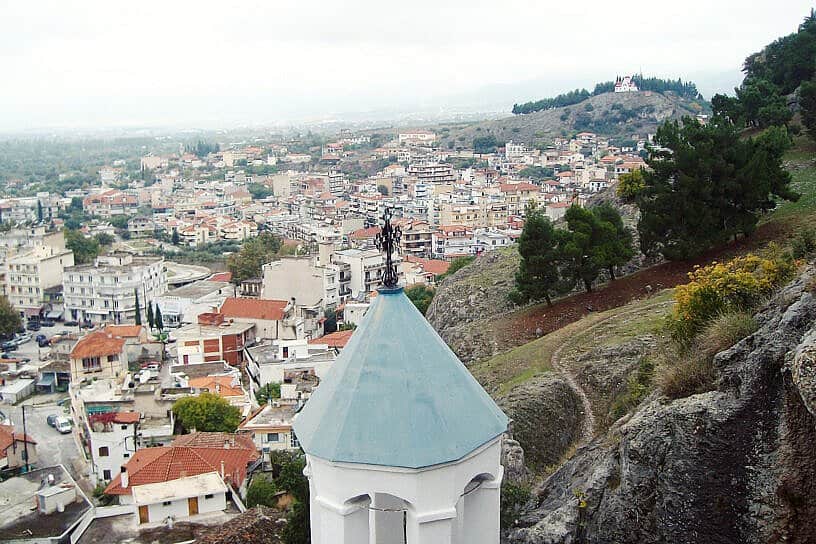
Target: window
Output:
[
  {"x": 167, "y": 503},
  {"x": 209, "y": 496},
  {"x": 272, "y": 437},
  {"x": 293, "y": 441},
  {"x": 126, "y": 455},
  {"x": 124, "y": 427},
  {"x": 103, "y": 451},
  {"x": 106, "y": 475}
]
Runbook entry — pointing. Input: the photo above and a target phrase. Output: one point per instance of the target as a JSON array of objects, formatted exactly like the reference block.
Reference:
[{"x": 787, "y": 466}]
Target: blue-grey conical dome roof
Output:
[{"x": 397, "y": 396}]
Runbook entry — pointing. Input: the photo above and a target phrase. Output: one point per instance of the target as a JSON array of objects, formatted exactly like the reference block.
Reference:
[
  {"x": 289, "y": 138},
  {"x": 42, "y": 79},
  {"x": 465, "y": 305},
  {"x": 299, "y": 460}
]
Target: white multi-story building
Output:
[
  {"x": 416, "y": 137},
  {"x": 29, "y": 273},
  {"x": 366, "y": 268},
  {"x": 452, "y": 241},
  {"x": 112, "y": 440},
  {"x": 514, "y": 150},
  {"x": 105, "y": 291}
]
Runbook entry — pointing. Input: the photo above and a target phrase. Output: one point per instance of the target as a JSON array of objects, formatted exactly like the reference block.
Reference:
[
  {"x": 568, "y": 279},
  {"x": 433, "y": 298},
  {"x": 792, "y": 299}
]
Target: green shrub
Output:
[
  {"x": 514, "y": 498},
  {"x": 693, "y": 370},
  {"x": 262, "y": 492},
  {"x": 638, "y": 386},
  {"x": 725, "y": 287},
  {"x": 804, "y": 244}
]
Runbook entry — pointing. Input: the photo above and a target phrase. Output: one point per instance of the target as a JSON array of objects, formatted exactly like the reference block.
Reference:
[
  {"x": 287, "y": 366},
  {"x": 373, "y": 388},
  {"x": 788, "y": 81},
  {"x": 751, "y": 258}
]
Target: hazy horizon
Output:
[{"x": 94, "y": 64}]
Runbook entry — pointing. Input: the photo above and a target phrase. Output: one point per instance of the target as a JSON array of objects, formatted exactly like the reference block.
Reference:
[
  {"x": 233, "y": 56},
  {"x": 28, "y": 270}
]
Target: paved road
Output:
[
  {"x": 182, "y": 274},
  {"x": 52, "y": 446}
]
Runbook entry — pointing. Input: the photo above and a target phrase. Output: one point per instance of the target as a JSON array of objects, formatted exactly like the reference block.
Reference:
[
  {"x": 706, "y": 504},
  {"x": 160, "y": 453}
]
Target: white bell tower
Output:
[{"x": 402, "y": 444}]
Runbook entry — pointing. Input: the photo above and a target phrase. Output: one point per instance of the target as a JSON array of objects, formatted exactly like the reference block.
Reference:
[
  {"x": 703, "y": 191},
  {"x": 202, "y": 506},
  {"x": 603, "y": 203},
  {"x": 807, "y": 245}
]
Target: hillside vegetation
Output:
[{"x": 610, "y": 114}]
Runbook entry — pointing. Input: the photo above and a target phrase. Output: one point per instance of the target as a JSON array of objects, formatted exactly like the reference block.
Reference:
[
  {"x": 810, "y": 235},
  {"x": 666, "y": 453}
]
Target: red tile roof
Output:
[
  {"x": 125, "y": 331},
  {"x": 217, "y": 385},
  {"x": 97, "y": 344},
  {"x": 221, "y": 276},
  {"x": 214, "y": 440},
  {"x": 253, "y": 308},
  {"x": 337, "y": 339},
  {"x": 162, "y": 464},
  {"x": 433, "y": 266},
  {"x": 8, "y": 437}
]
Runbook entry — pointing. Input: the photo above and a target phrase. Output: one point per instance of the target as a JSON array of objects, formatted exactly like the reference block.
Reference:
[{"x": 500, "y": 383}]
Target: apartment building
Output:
[
  {"x": 366, "y": 269},
  {"x": 452, "y": 241},
  {"x": 214, "y": 338},
  {"x": 105, "y": 291},
  {"x": 29, "y": 273},
  {"x": 432, "y": 172}
]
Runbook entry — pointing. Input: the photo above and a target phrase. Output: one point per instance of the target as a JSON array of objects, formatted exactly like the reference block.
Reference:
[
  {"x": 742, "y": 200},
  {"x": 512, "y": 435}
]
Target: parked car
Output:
[
  {"x": 42, "y": 340},
  {"x": 52, "y": 420},
  {"x": 47, "y": 323},
  {"x": 23, "y": 338},
  {"x": 33, "y": 325},
  {"x": 63, "y": 425},
  {"x": 10, "y": 355},
  {"x": 71, "y": 323},
  {"x": 8, "y": 346}
]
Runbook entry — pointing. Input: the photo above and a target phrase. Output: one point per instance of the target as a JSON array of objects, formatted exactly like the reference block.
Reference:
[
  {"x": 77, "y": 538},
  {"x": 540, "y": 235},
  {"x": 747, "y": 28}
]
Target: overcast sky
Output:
[{"x": 171, "y": 62}]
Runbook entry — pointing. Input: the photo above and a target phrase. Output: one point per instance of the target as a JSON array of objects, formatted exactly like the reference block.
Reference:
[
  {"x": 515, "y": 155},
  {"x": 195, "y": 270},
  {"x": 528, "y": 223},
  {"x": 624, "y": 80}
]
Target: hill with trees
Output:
[
  {"x": 616, "y": 115},
  {"x": 685, "y": 89}
]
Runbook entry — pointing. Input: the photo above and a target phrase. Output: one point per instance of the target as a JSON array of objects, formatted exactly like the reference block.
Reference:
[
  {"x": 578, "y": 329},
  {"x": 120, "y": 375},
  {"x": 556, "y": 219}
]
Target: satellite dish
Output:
[{"x": 98, "y": 426}]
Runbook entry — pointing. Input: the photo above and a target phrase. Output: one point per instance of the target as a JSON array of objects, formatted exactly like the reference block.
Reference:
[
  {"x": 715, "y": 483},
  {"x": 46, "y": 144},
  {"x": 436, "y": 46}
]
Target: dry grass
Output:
[{"x": 692, "y": 371}]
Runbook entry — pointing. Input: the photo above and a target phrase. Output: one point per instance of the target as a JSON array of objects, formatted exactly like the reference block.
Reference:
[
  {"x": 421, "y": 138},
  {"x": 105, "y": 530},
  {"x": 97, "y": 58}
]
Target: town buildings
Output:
[{"x": 107, "y": 290}]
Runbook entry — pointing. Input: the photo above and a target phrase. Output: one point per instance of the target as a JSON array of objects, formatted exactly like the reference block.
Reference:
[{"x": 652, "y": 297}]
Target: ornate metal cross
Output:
[{"x": 388, "y": 241}]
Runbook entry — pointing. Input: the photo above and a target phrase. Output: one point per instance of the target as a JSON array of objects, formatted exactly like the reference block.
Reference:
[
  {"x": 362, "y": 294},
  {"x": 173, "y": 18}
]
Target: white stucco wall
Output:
[
  {"x": 179, "y": 508},
  {"x": 438, "y": 511}
]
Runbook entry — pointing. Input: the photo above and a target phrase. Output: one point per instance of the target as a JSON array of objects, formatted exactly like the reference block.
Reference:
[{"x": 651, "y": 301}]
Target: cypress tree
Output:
[{"x": 138, "y": 308}]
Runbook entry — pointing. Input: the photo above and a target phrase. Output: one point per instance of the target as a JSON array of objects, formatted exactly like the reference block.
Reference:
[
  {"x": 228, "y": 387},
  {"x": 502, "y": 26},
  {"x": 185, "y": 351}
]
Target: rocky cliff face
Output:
[
  {"x": 735, "y": 465},
  {"x": 474, "y": 293},
  {"x": 547, "y": 418}
]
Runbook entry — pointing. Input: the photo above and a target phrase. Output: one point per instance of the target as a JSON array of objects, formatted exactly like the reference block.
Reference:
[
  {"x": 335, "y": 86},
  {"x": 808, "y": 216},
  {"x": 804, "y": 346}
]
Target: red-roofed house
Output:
[
  {"x": 230, "y": 458},
  {"x": 99, "y": 355},
  {"x": 273, "y": 319},
  {"x": 419, "y": 270},
  {"x": 336, "y": 339},
  {"x": 13, "y": 448}
]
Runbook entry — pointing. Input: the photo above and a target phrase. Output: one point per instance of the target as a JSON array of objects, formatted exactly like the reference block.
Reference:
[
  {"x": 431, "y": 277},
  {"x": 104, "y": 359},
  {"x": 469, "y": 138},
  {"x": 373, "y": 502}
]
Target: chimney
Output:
[
  {"x": 222, "y": 469},
  {"x": 226, "y": 444},
  {"x": 123, "y": 476}
]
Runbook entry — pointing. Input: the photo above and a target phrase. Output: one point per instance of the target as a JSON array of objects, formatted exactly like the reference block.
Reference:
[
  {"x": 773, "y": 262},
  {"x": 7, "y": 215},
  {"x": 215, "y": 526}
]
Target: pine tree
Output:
[
  {"x": 583, "y": 247},
  {"x": 174, "y": 239},
  {"x": 540, "y": 247},
  {"x": 616, "y": 242},
  {"x": 706, "y": 184},
  {"x": 138, "y": 307},
  {"x": 39, "y": 211}
]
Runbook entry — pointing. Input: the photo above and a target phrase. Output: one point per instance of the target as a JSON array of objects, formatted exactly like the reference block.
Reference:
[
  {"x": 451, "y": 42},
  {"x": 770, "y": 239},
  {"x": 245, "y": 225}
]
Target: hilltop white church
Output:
[{"x": 625, "y": 84}]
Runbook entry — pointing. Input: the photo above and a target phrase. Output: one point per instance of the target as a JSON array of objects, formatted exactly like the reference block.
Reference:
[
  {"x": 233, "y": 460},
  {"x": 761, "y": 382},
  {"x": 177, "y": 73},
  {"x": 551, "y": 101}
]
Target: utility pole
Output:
[{"x": 25, "y": 440}]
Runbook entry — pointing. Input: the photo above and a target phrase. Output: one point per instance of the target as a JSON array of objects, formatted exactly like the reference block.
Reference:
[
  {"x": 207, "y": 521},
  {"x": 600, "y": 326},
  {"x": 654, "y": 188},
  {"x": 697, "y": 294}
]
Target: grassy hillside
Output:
[{"x": 609, "y": 114}]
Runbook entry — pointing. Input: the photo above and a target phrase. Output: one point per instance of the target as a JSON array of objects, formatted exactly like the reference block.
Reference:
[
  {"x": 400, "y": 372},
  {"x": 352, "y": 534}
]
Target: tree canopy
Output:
[
  {"x": 85, "y": 249},
  {"x": 706, "y": 184},
  {"x": 255, "y": 252},
  {"x": 421, "y": 295},
  {"x": 10, "y": 320},
  {"x": 554, "y": 260},
  {"x": 207, "y": 412},
  {"x": 541, "y": 247}
]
